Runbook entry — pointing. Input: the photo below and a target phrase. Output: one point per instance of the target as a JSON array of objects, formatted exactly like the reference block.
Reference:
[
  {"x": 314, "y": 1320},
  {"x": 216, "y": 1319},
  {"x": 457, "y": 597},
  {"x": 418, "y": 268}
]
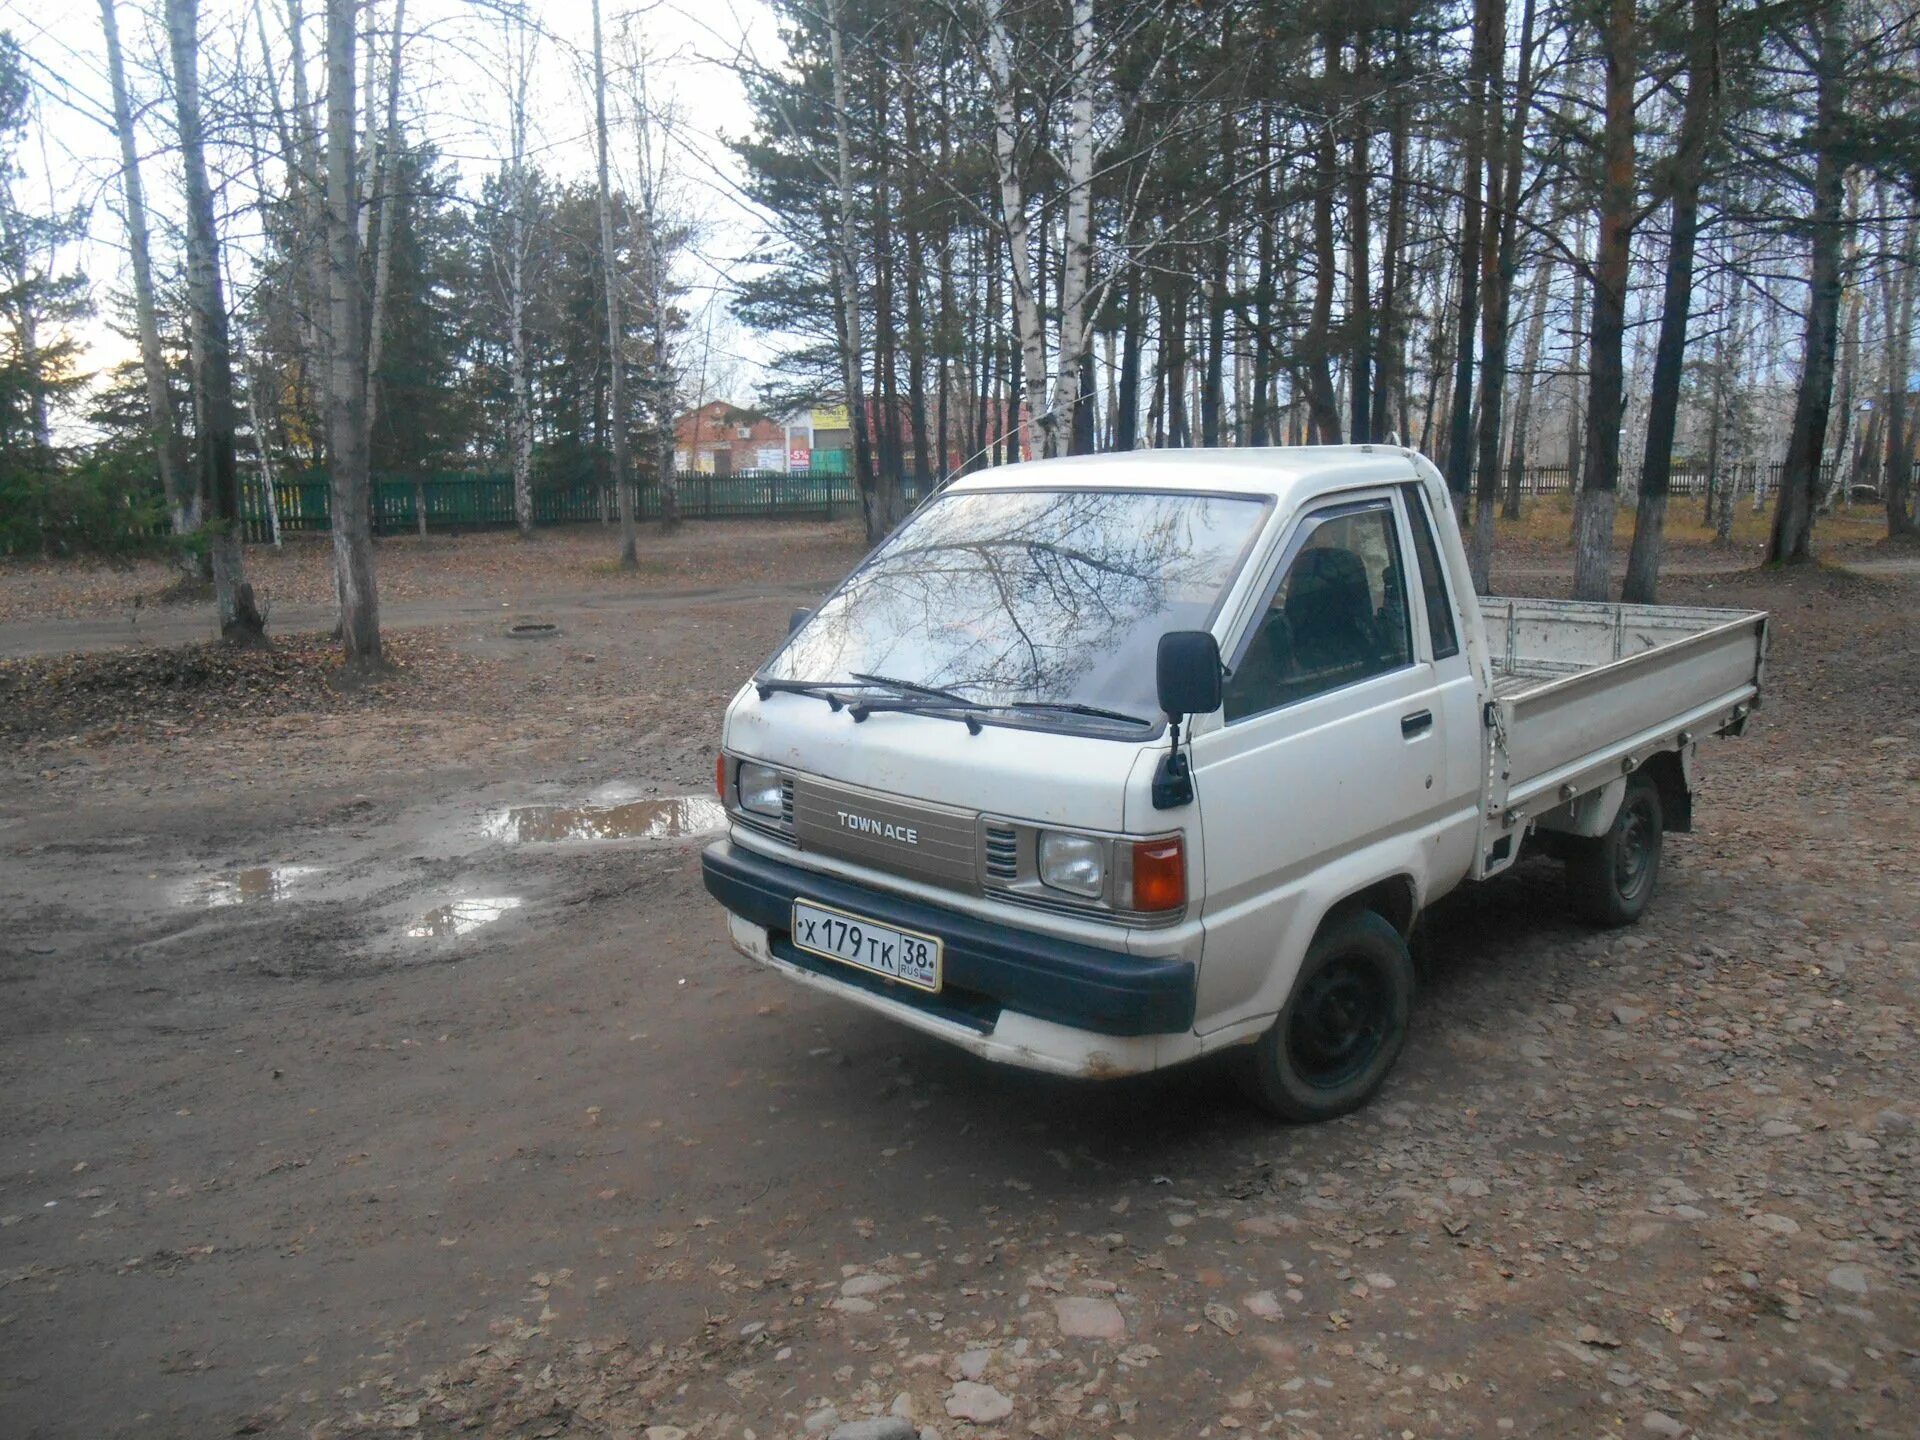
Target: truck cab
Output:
[{"x": 1099, "y": 765}]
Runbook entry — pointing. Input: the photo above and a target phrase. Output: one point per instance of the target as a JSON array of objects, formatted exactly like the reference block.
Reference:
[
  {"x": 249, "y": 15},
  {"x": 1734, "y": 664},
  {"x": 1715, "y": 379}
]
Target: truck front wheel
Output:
[
  {"x": 1344, "y": 1025},
  {"x": 1611, "y": 877}
]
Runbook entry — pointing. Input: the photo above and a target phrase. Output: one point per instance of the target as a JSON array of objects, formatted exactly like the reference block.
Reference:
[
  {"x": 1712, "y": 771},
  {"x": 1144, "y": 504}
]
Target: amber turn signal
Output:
[
  {"x": 1159, "y": 874},
  {"x": 720, "y": 777}
]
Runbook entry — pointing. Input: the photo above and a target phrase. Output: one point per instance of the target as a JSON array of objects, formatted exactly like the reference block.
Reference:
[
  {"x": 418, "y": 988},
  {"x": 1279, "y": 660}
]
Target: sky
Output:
[{"x": 455, "y": 98}]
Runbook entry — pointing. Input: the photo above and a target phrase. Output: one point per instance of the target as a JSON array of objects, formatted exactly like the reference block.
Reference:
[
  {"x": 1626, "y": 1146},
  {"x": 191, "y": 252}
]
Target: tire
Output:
[
  {"x": 1344, "y": 1026},
  {"x": 1611, "y": 877}
]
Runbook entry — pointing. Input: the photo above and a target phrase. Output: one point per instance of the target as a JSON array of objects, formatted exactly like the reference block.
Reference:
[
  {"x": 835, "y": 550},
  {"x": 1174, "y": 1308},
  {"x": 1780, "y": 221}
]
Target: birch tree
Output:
[
  {"x": 1600, "y": 466},
  {"x": 520, "y": 37},
  {"x": 1076, "y": 260},
  {"x": 616, "y": 335},
  {"x": 384, "y": 178},
  {"x": 182, "y": 506},
  {"x": 876, "y": 491},
  {"x": 347, "y": 441},
  {"x": 212, "y": 358},
  {"x": 1016, "y": 225}
]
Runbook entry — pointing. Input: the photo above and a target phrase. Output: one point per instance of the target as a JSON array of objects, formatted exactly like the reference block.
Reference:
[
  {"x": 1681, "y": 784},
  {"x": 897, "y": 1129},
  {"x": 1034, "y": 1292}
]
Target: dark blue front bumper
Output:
[{"x": 986, "y": 967}]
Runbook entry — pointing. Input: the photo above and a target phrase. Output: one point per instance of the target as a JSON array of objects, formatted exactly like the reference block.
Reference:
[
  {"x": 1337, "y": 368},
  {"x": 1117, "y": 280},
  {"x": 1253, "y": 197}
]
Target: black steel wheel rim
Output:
[
  {"x": 1339, "y": 1022},
  {"x": 1635, "y": 848}
]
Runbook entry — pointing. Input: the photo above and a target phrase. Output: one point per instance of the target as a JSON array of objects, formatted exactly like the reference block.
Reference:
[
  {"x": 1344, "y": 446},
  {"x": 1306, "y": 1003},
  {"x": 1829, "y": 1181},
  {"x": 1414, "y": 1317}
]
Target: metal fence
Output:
[
  {"x": 1753, "y": 478},
  {"x": 479, "y": 500},
  {"x": 468, "y": 500}
]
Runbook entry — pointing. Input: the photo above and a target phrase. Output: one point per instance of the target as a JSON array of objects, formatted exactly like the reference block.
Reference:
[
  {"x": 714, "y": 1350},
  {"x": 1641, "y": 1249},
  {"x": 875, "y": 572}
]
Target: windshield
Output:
[{"x": 1028, "y": 597}]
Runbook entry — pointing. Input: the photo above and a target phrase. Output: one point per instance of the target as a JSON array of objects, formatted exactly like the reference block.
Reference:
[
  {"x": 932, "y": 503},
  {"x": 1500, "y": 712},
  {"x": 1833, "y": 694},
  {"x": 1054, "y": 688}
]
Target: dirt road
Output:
[{"x": 345, "y": 1092}]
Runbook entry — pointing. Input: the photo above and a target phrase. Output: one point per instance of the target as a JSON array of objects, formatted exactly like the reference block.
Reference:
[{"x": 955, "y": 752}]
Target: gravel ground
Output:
[{"x": 589, "y": 1174}]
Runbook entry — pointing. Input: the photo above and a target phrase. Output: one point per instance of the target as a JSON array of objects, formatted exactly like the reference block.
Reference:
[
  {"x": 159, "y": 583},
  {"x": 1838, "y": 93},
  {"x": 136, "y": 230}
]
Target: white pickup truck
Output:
[{"x": 1099, "y": 765}]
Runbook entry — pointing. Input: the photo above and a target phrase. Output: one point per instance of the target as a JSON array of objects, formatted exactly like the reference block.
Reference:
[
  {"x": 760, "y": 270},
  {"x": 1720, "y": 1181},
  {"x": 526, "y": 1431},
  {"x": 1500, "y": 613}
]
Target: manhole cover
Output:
[{"x": 532, "y": 630}]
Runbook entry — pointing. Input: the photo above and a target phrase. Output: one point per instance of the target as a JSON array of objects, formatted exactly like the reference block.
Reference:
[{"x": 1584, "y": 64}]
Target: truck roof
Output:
[{"x": 1279, "y": 472}]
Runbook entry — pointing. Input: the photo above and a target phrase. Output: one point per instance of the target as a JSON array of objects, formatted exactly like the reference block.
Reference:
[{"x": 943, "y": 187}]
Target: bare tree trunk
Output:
[
  {"x": 1213, "y": 386},
  {"x": 1013, "y": 218},
  {"x": 1324, "y": 403},
  {"x": 1703, "y": 86},
  {"x": 388, "y": 196},
  {"x": 1496, "y": 311},
  {"x": 1600, "y": 470},
  {"x": 219, "y": 479},
  {"x": 1389, "y": 376},
  {"x": 1576, "y": 363},
  {"x": 167, "y": 448},
  {"x": 1791, "y": 541},
  {"x": 255, "y": 378},
  {"x": 1076, "y": 260},
  {"x": 913, "y": 231},
  {"x": 660, "y": 303},
  {"x": 846, "y": 265},
  {"x": 1482, "y": 67},
  {"x": 1360, "y": 353},
  {"x": 1127, "y": 402},
  {"x": 1517, "y": 446},
  {"x": 520, "y": 424},
  {"x": 347, "y": 367},
  {"x": 1898, "y": 488},
  {"x": 616, "y": 333}
]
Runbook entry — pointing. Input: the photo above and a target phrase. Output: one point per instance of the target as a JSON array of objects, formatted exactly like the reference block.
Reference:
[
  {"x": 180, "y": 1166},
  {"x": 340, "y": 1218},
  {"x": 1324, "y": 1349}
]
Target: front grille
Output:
[
  {"x": 1003, "y": 852},
  {"x": 935, "y": 843},
  {"x": 786, "y": 803}
]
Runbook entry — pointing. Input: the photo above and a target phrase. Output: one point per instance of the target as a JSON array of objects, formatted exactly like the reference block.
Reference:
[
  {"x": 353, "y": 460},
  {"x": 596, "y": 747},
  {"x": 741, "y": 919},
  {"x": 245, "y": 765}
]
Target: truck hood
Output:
[{"x": 1043, "y": 776}]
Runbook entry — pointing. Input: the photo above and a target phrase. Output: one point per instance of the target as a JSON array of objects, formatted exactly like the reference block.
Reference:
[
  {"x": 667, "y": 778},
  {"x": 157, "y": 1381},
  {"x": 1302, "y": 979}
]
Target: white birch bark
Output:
[
  {"x": 521, "y": 421},
  {"x": 389, "y": 200},
  {"x": 166, "y": 443},
  {"x": 347, "y": 368},
  {"x": 876, "y": 490},
  {"x": 1013, "y": 217},
  {"x": 1077, "y": 254},
  {"x": 616, "y": 336}
]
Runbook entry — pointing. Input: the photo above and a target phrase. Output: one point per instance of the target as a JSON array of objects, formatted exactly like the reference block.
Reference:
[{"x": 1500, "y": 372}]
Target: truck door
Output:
[{"x": 1332, "y": 757}]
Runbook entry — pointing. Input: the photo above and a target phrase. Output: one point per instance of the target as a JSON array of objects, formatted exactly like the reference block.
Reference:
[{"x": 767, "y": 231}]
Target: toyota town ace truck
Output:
[{"x": 1101, "y": 764}]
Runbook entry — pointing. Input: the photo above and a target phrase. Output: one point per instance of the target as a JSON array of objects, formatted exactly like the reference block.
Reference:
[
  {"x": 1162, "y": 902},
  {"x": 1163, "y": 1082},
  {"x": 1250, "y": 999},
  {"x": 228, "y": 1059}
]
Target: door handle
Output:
[{"x": 1418, "y": 723}]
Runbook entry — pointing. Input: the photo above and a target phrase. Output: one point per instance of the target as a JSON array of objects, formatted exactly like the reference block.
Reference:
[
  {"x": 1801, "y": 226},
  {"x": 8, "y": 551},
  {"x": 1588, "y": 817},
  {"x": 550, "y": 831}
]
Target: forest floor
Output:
[{"x": 374, "y": 1063}]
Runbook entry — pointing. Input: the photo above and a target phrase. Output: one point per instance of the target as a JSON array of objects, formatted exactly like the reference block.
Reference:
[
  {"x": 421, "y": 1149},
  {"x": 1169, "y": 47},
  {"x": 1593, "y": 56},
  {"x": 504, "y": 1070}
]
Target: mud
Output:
[
  {"x": 280, "y": 1167},
  {"x": 462, "y": 917},
  {"x": 677, "y": 818}
]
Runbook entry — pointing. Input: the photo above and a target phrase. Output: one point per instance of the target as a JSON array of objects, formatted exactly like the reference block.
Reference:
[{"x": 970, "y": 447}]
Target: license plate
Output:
[{"x": 903, "y": 955}]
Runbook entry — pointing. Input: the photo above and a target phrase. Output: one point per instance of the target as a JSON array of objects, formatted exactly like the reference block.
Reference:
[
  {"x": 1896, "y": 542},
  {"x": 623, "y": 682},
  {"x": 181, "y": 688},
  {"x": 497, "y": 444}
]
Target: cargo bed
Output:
[{"x": 1584, "y": 690}]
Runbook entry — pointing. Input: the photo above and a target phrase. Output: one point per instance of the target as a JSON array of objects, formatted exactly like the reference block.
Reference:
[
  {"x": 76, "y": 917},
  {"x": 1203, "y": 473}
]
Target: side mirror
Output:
[
  {"x": 1187, "y": 672},
  {"x": 799, "y": 617}
]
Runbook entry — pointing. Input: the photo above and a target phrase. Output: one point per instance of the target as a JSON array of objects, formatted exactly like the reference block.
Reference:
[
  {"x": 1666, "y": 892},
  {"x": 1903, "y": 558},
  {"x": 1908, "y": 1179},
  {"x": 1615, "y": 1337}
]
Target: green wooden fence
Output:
[{"x": 469, "y": 500}]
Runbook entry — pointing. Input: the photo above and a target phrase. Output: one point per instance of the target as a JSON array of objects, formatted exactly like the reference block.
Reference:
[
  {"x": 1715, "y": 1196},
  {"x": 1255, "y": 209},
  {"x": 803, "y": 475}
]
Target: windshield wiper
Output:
[
  {"x": 931, "y": 704},
  {"x": 820, "y": 689},
  {"x": 824, "y": 689},
  {"x": 970, "y": 711},
  {"x": 913, "y": 687},
  {"x": 1074, "y": 707},
  {"x": 918, "y": 699}
]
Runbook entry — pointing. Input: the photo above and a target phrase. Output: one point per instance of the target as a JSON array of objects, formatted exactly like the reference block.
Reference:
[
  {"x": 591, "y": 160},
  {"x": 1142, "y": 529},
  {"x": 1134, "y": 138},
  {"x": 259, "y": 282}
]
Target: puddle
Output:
[
  {"x": 677, "y": 818},
  {"x": 244, "y": 887},
  {"x": 462, "y": 917}
]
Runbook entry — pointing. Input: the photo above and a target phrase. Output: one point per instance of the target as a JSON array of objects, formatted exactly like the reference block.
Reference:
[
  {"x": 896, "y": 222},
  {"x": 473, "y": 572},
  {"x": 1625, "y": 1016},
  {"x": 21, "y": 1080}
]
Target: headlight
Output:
[
  {"x": 1074, "y": 863},
  {"x": 760, "y": 789}
]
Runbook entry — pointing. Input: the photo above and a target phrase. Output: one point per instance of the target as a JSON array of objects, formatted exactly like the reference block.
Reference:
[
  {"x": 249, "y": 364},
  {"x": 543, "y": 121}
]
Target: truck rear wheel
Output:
[
  {"x": 1611, "y": 877},
  {"x": 1344, "y": 1026}
]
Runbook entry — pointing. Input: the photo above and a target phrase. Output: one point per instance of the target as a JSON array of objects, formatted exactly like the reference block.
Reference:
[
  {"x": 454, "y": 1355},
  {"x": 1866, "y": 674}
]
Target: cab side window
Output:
[
  {"x": 1433, "y": 580},
  {"x": 1338, "y": 616}
]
